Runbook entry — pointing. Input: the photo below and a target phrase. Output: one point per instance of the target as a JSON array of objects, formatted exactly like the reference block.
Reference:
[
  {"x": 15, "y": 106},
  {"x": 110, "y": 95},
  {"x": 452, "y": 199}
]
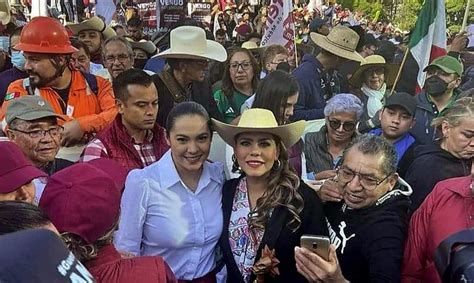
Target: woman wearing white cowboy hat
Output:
[
  {"x": 267, "y": 209},
  {"x": 186, "y": 78},
  {"x": 373, "y": 79}
]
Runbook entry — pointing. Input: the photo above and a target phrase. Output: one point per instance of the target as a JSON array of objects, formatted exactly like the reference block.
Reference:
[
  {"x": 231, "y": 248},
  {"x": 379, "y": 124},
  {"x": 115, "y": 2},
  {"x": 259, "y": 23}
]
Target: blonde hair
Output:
[{"x": 462, "y": 108}]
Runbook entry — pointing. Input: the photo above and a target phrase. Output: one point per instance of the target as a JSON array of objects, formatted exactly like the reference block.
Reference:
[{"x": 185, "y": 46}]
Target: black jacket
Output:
[
  {"x": 370, "y": 240},
  {"x": 277, "y": 234},
  {"x": 431, "y": 165}
]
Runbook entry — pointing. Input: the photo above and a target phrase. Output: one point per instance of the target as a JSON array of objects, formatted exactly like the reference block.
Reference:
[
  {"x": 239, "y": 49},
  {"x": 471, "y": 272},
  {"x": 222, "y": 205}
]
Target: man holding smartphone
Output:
[{"x": 368, "y": 227}]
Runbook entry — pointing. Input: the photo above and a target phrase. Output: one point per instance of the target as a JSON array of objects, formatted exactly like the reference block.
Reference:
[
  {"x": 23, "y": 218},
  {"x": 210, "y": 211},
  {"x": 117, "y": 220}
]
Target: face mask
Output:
[
  {"x": 18, "y": 60},
  {"x": 435, "y": 86},
  {"x": 139, "y": 63}
]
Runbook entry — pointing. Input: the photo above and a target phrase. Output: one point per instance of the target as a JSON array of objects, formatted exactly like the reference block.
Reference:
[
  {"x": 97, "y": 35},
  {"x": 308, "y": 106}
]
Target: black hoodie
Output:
[
  {"x": 370, "y": 240},
  {"x": 431, "y": 165}
]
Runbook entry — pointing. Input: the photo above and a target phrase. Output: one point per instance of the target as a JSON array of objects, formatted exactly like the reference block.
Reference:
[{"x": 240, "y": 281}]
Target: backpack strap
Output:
[
  {"x": 91, "y": 82},
  {"x": 174, "y": 88}
]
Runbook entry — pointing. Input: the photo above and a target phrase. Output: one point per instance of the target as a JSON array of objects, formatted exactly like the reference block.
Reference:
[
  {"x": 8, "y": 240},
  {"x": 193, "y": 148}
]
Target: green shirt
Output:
[{"x": 229, "y": 108}]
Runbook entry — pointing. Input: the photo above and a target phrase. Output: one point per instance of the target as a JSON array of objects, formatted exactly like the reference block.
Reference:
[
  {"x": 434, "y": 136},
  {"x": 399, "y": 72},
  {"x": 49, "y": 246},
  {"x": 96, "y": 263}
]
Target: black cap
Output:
[
  {"x": 402, "y": 99},
  {"x": 38, "y": 256}
]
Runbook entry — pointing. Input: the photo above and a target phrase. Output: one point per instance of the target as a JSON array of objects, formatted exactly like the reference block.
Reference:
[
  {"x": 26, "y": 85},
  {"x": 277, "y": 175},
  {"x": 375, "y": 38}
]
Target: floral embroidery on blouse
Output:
[{"x": 244, "y": 242}]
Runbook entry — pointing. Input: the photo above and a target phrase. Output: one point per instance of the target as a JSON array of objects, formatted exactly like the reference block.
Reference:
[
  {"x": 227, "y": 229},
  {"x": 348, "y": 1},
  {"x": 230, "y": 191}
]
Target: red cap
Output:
[
  {"x": 117, "y": 172},
  {"x": 82, "y": 200},
  {"x": 15, "y": 169}
]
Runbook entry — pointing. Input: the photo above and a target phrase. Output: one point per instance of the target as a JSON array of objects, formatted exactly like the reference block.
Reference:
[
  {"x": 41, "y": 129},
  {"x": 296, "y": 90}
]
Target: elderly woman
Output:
[
  {"x": 142, "y": 51},
  {"x": 238, "y": 84},
  {"x": 450, "y": 157},
  {"x": 323, "y": 149},
  {"x": 267, "y": 209},
  {"x": 373, "y": 79}
]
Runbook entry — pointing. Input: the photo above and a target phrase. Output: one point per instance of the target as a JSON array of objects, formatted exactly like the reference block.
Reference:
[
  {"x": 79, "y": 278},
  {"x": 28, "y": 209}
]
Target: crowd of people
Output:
[{"x": 386, "y": 179}]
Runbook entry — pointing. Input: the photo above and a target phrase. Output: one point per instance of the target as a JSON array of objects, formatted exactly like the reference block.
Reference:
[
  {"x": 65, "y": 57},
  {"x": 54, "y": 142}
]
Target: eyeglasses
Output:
[
  {"x": 53, "y": 132},
  {"x": 377, "y": 71},
  {"x": 346, "y": 175},
  {"x": 121, "y": 58},
  {"x": 280, "y": 61},
  {"x": 244, "y": 65},
  {"x": 346, "y": 126}
]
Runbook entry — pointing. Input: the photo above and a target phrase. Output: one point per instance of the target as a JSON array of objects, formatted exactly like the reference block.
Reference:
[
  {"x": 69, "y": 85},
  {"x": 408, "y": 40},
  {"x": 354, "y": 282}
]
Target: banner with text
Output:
[
  {"x": 201, "y": 12},
  {"x": 280, "y": 28},
  {"x": 169, "y": 12}
]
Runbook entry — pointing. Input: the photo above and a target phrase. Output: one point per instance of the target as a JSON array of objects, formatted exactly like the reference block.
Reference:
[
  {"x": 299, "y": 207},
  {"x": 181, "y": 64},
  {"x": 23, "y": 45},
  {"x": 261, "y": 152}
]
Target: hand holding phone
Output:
[{"x": 316, "y": 244}]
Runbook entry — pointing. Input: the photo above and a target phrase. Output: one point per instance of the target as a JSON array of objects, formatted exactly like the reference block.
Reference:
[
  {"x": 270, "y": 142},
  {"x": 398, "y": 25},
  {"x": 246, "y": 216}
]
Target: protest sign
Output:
[{"x": 280, "y": 28}]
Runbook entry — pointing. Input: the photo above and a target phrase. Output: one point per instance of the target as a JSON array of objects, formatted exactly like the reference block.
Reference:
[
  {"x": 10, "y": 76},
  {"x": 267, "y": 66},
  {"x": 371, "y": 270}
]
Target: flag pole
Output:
[
  {"x": 466, "y": 16},
  {"x": 400, "y": 70}
]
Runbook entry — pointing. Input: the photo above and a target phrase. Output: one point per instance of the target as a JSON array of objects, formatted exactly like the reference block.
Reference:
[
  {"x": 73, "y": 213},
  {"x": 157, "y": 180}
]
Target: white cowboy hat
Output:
[
  {"x": 189, "y": 42},
  {"x": 144, "y": 45},
  {"x": 94, "y": 23},
  {"x": 252, "y": 46},
  {"x": 260, "y": 121},
  {"x": 5, "y": 14},
  {"x": 374, "y": 61},
  {"x": 341, "y": 41}
]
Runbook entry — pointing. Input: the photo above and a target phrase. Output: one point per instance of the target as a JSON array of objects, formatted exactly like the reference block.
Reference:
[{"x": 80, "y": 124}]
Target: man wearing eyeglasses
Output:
[
  {"x": 117, "y": 55},
  {"x": 368, "y": 226},
  {"x": 33, "y": 126}
]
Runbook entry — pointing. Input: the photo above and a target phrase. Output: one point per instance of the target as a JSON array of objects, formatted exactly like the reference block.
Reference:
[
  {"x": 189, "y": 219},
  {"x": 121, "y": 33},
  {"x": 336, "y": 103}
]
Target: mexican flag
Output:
[{"x": 428, "y": 39}]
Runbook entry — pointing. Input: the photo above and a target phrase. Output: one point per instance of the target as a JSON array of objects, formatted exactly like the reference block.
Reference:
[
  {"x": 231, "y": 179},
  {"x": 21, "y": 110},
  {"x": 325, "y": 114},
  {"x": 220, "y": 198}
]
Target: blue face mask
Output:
[{"x": 18, "y": 60}]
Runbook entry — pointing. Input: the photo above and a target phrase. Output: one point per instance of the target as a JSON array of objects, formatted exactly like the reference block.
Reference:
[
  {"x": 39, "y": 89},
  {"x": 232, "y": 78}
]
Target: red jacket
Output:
[
  {"x": 444, "y": 212},
  {"x": 110, "y": 267},
  {"x": 119, "y": 144}
]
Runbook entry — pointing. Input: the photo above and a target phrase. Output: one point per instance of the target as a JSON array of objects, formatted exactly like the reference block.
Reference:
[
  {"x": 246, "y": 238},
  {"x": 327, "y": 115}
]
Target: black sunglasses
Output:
[{"x": 346, "y": 126}]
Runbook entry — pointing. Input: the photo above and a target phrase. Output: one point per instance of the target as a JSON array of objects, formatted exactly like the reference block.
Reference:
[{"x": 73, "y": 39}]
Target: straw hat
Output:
[
  {"x": 341, "y": 41},
  {"x": 5, "y": 14},
  {"x": 144, "y": 45},
  {"x": 252, "y": 46},
  {"x": 260, "y": 121},
  {"x": 189, "y": 42},
  {"x": 94, "y": 23},
  {"x": 374, "y": 61}
]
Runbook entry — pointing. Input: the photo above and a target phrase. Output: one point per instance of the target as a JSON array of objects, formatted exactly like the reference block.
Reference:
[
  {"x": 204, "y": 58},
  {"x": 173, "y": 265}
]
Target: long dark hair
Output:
[
  {"x": 273, "y": 92},
  {"x": 227, "y": 84},
  {"x": 19, "y": 215}
]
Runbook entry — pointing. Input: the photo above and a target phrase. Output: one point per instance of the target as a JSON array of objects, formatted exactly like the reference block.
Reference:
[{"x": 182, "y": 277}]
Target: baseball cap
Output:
[
  {"x": 38, "y": 255},
  {"x": 448, "y": 64},
  {"x": 402, "y": 99},
  {"x": 15, "y": 169},
  {"x": 82, "y": 200},
  {"x": 29, "y": 107},
  {"x": 115, "y": 170}
]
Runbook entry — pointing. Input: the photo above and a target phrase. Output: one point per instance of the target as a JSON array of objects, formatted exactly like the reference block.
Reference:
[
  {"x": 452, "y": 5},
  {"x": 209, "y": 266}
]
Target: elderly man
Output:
[
  {"x": 33, "y": 126},
  {"x": 185, "y": 79},
  {"x": 84, "y": 100},
  {"x": 443, "y": 76},
  {"x": 81, "y": 60},
  {"x": 93, "y": 32},
  {"x": 134, "y": 139},
  {"x": 117, "y": 55},
  {"x": 368, "y": 225}
]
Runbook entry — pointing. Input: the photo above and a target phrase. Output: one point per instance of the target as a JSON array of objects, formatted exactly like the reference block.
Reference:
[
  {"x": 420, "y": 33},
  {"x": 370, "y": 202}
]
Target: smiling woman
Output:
[{"x": 173, "y": 207}]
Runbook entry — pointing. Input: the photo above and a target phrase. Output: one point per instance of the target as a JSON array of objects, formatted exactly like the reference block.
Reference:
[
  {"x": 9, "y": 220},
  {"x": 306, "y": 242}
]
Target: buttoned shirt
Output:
[{"x": 161, "y": 216}]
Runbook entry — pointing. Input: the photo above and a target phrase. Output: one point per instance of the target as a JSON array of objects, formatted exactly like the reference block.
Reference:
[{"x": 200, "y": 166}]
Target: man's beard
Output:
[{"x": 39, "y": 81}]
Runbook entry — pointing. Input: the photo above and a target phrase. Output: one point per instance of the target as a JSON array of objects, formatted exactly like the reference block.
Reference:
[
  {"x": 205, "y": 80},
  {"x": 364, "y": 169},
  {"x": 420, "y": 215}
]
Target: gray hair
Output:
[
  {"x": 119, "y": 39},
  {"x": 344, "y": 102},
  {"x": 375, "y": 145}
]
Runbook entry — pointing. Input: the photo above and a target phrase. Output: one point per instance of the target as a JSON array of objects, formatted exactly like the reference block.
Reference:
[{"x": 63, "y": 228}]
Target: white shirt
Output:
[{"x": 161, "y": 216}]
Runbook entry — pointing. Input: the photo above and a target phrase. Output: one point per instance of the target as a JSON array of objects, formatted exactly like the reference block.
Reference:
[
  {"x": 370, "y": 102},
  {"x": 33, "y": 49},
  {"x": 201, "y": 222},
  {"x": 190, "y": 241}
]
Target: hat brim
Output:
[
  {"x": 324, "y": 43},
  {"x": 36, "y": 115},
  {"x": 148, "y": 47},
  {"x": 390, "y": 74},
  {"x": 13, "y": 180},
  {"x": 214, "y": 51},
  {"x": 289, "y": 133},
  {"x": 443, "y": 68},
  {"x": 93, "y": 24}
]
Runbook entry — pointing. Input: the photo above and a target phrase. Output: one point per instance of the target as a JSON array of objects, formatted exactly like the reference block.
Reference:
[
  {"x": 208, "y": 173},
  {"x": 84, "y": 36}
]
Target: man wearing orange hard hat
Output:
[{"x": 85, "y": 101}]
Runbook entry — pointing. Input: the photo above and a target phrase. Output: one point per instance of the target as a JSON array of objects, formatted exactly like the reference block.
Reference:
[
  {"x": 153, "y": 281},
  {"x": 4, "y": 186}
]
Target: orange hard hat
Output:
[{"x": 45, "y": 35}]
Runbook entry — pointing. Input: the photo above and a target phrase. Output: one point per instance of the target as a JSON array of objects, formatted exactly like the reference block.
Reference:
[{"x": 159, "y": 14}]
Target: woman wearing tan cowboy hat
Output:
[
  {"x": 267, "y": 209},
  {"x": 373, "y": 80}
]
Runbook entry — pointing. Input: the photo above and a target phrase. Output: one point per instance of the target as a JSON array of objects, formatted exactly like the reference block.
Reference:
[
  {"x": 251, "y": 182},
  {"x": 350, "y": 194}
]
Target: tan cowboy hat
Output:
[
  {"x": 5, "y": 14},
  {"x": 260, "y": 121},
  {"x": 144, "y": 45},
  {"x": 94, "y": 23},
  {"x": 374, "y": 61},
  {"x": 341, "y": 41},
  {"x": 189, "y": 42},
  {"x": 252, "y": 46}
]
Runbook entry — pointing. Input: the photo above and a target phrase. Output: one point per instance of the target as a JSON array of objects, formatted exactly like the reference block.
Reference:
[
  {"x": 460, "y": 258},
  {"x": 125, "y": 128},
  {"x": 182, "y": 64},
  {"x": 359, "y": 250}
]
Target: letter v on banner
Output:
[{"x": 280, "y": 28}]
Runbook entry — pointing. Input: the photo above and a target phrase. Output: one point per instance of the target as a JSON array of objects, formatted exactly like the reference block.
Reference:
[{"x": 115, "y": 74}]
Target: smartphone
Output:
[{"x": 317, "y": 244}]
